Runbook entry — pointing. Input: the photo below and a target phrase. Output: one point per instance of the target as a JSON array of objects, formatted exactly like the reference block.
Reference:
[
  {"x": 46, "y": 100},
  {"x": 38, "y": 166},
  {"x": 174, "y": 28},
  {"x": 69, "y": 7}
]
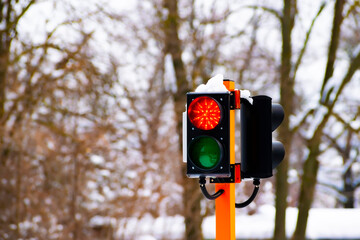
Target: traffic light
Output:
[
  {"x": 259, "y": 154},
  {"x": 208, "y": 135}
]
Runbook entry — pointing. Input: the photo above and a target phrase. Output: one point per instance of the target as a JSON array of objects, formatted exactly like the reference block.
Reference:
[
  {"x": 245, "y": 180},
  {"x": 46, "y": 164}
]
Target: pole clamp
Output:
[
  {"x": 235, "y": 176},
  {"x": 235, "y": 99}
]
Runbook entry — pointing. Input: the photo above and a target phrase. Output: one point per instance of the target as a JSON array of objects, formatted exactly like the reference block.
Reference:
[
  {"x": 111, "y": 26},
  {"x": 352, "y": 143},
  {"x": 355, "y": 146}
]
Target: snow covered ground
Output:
[{"x": 322, "y": 224}]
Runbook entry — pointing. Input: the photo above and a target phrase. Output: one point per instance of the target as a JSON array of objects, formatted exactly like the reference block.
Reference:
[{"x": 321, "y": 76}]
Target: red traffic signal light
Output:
[
  {"x": 208, "y": 135},
  {"x": 204, "y": 113}
]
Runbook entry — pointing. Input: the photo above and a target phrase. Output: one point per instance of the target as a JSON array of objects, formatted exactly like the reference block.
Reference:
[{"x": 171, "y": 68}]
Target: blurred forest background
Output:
[{"x": 91, "y": 96}]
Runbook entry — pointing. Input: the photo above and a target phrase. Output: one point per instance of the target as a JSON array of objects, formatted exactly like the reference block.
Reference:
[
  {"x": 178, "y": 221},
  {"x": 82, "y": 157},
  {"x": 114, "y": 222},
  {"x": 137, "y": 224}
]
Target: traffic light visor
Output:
[
  {"x": 205, "y": 152},
  {"x": 204, "y": 113}
]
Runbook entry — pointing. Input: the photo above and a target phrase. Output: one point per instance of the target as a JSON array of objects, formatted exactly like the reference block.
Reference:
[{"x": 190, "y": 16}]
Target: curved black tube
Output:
[
  {"x": 202, "y": 182},
  {"x": 256, "y": 183}
]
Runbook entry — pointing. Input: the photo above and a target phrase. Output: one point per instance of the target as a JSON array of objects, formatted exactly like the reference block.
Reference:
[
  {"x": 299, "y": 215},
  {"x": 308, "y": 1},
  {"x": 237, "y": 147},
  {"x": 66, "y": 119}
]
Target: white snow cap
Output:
[
  {"x": 247, "y": 95},
  {"x": 215, "y": 84}
]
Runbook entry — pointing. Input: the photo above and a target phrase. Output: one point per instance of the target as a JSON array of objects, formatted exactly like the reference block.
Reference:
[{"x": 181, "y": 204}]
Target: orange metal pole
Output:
[{"x": 225, "y": 204}]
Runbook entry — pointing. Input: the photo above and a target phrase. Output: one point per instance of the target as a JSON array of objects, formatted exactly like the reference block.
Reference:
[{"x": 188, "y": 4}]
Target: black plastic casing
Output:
[
  {"x": 221, "y": 133},
  {"x": 259, "y": 154}
]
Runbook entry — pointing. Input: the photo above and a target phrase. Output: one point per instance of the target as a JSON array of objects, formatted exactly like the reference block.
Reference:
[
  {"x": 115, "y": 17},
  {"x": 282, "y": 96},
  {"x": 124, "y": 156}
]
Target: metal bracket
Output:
[
  {"x": 234, "y": 177},
  {"x": 235, "y": 99}
]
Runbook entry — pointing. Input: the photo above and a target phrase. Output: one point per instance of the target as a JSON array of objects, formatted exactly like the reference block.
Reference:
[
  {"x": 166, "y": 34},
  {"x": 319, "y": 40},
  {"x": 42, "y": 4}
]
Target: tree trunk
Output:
[
  {"x": 4, "y": 56},
  {"x": 191, "y": 194},
  {"x": 19, "y": 199},
  {"x": 347, "y": 177},
  {"x": 349, "y": 190},
  {"x": 74, "y": 195},
  {"x": 285, "y": 135},
  {"x": 311, "y": 164},
  {"x": 307, "y": 192}
]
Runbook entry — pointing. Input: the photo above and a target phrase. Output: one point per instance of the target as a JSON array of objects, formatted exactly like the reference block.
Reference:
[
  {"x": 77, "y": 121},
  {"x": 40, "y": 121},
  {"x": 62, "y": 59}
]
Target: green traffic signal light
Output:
[{"x": 205, "y": 152}]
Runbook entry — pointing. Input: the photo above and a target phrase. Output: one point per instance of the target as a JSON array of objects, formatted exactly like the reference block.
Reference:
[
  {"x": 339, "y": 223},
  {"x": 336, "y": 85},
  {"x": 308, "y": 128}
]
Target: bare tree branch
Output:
[
  {"x": 333, "y": 47},
  {"x": 308, "y": 33},
  {"x": 273, "y": 11}
]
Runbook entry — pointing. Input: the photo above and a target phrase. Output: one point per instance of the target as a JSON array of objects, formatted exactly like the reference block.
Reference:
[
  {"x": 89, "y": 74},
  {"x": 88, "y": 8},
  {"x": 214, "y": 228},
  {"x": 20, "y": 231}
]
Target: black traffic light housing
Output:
[
  {"x": 208, "y": 147},
  {"x": 259, "y": 154}
]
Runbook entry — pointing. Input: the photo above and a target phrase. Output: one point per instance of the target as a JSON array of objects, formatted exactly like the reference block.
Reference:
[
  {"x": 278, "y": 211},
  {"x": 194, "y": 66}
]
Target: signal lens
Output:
[
  {"x": 204, "y": 113},
  {"x": 205, "y": 152}
]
